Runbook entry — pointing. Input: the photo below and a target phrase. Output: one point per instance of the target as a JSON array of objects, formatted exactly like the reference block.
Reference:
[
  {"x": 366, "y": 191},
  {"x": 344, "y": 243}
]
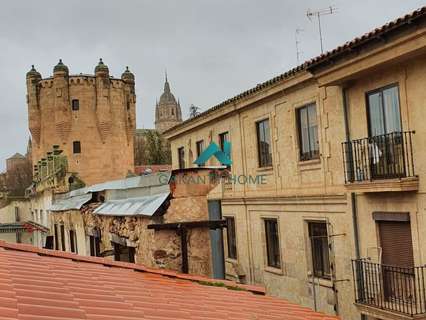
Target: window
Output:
[
  {"x": 264, "y": 143},
  {"x": 181, "y": 157},
  {"x": 63, "y": 237},
  {"x": 123, "y": 253},
  {"x": 73, "y": 241},
  {"x": 17, "y": 216},
  {"x": 383, "y": 111},
  {"x": 95, "y": 245},
  {"x": 76, "y": 147},
  {"x": 319, "y": 248},
  {"x": 308, "y": 132},
  {"x": 200, "y": 148},
  {"x": 56, "y": 237},
  {"x": 222, "y": 138},
  {"x": 75, "y": 105},
  {"x": 18, "y": 236},
  {"x": 231, "y": 238},
  {"x": 272, "y": 243}
]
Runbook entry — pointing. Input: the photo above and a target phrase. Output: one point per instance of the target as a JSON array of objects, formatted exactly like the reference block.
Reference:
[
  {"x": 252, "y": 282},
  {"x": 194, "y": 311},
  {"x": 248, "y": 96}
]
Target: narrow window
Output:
[
  {"x": 200, "y": 148},
  {"x": 17, "y": 216},
  {"x": 308, "y": 132},
  {"x": 76, "y": 147},
  {"x": 231, "y": 238},
  {"x": 272, "y": 243},
  {"x": 181, "y": 157},
  {"x": 63, "y": 237},
  {"x": 224, "y": 136},
  {"x": 264, "y": 144},
  {"x": 56, "y": 237},
  {"x": 95, "y": 246},
  {"x": 18, "y": 236},
  {"x": 319, "y": 248},
  {"x": 73, "y": 241},
  {"x": 75, "y": 105}
]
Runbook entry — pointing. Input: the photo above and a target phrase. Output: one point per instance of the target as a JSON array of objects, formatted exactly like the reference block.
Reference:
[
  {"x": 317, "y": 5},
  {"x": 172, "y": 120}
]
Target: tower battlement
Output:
[{"x": 91, "y": 117}]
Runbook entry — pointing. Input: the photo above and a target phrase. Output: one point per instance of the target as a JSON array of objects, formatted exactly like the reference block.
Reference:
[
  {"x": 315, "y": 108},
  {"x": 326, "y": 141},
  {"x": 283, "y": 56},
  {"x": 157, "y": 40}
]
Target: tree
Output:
[{"x": 157, "y": 149}]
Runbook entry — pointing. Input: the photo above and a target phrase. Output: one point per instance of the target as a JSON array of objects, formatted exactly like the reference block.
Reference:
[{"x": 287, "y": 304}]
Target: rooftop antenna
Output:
[
  {"x": 298, "y": 52},
  {"x": 318, "y": 14}
]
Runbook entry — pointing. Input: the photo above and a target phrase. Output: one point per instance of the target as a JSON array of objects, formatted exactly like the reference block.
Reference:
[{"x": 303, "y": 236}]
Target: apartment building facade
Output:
[{"x": 324, "y": 202}]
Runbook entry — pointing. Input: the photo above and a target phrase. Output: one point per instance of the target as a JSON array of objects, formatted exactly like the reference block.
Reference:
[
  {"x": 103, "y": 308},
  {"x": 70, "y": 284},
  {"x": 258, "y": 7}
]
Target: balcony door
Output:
[
  {"x": 397, "y": 261},
  {"x": 386, "y": 148}
]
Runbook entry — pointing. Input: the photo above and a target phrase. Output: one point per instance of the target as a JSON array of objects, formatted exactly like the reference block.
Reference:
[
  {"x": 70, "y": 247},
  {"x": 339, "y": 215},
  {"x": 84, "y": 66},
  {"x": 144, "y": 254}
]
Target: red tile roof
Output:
[{"x": 39, "y": 284}]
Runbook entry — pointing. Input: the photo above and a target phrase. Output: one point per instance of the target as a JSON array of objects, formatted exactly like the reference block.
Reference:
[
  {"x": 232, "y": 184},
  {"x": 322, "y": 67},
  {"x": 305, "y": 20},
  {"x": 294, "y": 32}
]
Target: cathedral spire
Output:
[{"x": 166, "y": 84}]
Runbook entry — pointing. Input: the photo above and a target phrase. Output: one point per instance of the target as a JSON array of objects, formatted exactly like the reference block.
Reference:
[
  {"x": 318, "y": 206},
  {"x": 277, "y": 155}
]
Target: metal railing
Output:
[
  {"x": 387, "y": 156},
  {"x": 399, "y": 289}
]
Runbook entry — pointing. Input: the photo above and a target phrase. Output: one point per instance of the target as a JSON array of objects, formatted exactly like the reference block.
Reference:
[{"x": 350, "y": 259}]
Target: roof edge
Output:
[{"x": 136, "y": 267}]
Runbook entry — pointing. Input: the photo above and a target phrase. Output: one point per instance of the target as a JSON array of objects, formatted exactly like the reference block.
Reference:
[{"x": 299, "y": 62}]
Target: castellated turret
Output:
[{"x": 91, "y": 117}]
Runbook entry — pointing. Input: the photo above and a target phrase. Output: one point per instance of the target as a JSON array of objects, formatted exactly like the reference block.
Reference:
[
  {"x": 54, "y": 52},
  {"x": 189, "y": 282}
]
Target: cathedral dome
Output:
[
  {"x": 60, "y": 67},
  {"x": 167, "y": 97}
]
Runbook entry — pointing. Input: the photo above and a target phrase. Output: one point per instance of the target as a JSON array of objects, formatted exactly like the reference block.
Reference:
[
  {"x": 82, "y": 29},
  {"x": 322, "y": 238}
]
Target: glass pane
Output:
[
  {"x": 376, "y": 114},
  {"x": 304, "y": 132},
  {"x": 391, "y": 108},
  {"x": 313, "y": 129}
]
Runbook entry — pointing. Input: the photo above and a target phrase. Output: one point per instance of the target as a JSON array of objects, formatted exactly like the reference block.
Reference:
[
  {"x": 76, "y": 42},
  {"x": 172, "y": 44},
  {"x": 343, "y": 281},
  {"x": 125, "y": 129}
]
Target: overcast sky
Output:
[{"x": 212, "y": 49}]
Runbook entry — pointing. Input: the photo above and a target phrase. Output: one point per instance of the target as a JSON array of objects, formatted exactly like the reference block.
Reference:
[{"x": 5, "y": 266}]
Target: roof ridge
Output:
[{"x": 133, "y": 266}]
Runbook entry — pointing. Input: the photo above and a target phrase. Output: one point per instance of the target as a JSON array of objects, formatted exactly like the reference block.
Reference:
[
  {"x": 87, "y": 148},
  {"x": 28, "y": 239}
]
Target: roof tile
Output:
[{"x": 38, "y": 284}]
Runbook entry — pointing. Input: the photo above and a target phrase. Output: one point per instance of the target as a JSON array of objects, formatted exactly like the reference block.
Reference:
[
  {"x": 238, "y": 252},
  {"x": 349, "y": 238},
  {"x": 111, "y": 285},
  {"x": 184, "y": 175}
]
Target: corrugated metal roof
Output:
[
  {"x": 72, "y": 203},
  {"x": 145, "y": 206},
  {"x": 156, "y": 179}
]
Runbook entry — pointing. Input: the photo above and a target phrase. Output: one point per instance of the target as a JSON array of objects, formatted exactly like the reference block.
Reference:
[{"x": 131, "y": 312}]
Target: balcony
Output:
[
  {"x": 389, "y": 292},
  {"x": 380, "y": 163}
]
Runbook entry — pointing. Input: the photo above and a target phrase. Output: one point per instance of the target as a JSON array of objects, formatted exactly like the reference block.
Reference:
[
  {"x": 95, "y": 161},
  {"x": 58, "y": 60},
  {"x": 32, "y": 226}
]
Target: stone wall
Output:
[{"x": 104, "y": 123}]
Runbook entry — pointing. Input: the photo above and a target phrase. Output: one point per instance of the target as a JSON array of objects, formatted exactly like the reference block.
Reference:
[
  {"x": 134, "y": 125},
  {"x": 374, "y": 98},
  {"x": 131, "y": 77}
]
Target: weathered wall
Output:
[{"x": 160, "y": 249}]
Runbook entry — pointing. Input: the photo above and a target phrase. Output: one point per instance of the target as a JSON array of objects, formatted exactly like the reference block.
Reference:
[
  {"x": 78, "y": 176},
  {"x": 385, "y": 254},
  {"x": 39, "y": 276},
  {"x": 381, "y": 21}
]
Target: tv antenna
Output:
[
  {"x": 298, "y": 52},
  {"x": 318, "y": 14}
]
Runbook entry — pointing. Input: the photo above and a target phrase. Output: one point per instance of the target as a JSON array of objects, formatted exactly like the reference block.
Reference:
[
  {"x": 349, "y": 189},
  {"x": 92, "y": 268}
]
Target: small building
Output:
[{"x": 159, "y": 220}]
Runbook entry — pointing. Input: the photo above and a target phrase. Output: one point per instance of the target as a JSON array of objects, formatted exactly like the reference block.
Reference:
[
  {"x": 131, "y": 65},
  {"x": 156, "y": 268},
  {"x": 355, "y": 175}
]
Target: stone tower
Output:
[
  {"x": 91, "y": 117},
  {"x": 167, "y": 110}
]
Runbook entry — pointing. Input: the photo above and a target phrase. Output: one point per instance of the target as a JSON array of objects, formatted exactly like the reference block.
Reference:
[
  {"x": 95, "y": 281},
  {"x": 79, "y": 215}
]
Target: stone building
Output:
[
  {"x": 156, "y": 220},
  {"x": 336, "y": 219},
  {"x": 167, "y": 110},
  {"x": 91, "y": 118}
]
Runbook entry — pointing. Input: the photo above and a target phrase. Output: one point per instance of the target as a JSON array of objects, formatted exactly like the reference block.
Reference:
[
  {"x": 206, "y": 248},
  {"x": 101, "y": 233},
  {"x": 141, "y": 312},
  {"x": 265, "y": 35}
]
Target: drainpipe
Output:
[{"x": 353, "y": 195}]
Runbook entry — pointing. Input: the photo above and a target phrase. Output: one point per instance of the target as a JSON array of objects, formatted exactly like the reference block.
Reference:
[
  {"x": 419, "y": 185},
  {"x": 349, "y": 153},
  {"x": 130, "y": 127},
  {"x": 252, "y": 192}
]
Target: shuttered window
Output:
[{"x": 396, "y": 243}]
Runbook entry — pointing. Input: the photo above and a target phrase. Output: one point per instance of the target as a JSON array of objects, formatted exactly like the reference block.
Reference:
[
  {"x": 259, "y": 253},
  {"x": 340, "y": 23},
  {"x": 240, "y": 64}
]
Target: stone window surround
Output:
[
  {"x": 262, "y": 218},
  {"x": 225, "y": 238}
]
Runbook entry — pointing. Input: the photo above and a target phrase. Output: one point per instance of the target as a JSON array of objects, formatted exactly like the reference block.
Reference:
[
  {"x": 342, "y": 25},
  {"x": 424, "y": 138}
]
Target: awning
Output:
[
  {"x": 145, "y": 206},
  {"x": 72, "y": 203}
]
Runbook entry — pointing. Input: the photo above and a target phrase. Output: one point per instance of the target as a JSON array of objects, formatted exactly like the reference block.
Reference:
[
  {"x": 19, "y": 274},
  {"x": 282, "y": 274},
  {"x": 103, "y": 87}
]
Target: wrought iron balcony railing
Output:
[
  {"x": 387, "y": 156},
  {"x": 392, "y": 288}
]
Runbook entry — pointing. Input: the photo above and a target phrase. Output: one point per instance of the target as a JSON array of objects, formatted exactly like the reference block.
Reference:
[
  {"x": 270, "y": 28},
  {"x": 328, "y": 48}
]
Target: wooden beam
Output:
[{"x": 211, "y": 224}]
